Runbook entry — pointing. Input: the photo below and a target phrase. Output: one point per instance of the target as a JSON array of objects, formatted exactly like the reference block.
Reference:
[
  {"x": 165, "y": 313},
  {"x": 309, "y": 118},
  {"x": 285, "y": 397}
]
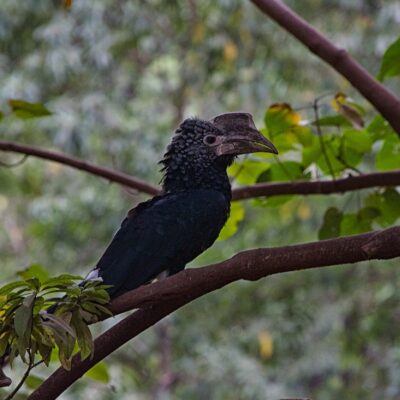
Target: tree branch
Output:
[
  {"x": 377, "y": 94},
  {"x": 112, "y": 175},
  {"x": 161, "y": 298},
  {"x": 377, "y": 179}
]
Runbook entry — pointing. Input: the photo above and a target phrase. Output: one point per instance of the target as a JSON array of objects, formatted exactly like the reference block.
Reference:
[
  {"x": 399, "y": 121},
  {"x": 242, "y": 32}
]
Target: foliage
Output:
[
  {"x": 390, "y": 62},
  {"x": 25, "y": 110},
  {"x": 28, "y": 330},
  {"x": 325, "y": 148},
  {"x": 118, "y": 78}
]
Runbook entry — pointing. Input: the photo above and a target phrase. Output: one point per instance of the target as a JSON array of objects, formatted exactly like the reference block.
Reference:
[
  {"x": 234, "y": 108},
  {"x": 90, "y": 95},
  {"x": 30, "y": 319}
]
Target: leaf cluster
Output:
[
  {"x": 39, "y": 315},
  {"x": 336, "y": 144}
]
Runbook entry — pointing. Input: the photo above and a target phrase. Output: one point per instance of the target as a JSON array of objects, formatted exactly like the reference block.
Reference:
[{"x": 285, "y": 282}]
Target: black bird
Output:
[{"x": 168, "y": 231}]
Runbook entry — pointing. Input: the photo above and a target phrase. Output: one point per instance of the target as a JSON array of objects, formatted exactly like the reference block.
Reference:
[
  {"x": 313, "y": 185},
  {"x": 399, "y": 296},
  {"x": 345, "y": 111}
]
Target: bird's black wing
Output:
[{"x": 162, "y": 234}]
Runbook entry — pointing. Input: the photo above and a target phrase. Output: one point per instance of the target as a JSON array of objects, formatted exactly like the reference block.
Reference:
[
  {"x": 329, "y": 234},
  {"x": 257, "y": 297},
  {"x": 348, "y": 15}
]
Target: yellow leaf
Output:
[
  {"x": 286, "y": 111},
  {"x": 67, "y": 3},
  {"x": 230, "y": 51},
  {"x": 338, "y": 100},
  {"x": 279, "y": 107},
  {"x": 199, "y": 32},
  {"x": 265, "y": 343},
  {"x": 349, "y": 109},
  {"x": 231, "y": 226},
  {"x": 304, "y": 211}
]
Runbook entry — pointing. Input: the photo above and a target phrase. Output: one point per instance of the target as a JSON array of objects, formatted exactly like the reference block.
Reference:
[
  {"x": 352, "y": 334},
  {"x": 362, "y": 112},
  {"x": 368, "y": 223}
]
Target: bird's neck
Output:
[{"x": 182, "y": 175}]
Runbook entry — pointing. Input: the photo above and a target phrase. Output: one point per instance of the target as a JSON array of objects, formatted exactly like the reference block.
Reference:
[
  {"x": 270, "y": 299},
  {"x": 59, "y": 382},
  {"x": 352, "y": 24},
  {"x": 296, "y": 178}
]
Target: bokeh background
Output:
[{"x": 119, "y": 76}]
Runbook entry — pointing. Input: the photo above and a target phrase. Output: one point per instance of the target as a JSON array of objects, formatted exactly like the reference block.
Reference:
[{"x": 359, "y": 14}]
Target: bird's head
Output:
[
  {"x": 201, "y": 149},
  {"x": 239, "y": 135}
]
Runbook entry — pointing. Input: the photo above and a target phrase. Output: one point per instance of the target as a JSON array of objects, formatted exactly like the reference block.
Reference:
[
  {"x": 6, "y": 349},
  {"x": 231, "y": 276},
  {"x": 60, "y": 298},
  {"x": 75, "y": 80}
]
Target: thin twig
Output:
[
  {"x": 377, "y": 179},
  {"x": 31, "y": 365},
  {"x": 340, "y": 158},
  {"x": 321, "y": 139},
  {"x": 114, "y": 176},
  {"x": 15, "y": 164}
]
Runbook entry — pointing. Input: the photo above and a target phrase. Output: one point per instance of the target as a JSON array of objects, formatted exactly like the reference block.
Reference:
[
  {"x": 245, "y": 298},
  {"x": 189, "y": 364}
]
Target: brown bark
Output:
[
  {"x": 378, "y": 95},
  {"x": 157, "y": 300},
  {"x": 376, "y": 179},
  {"x": 351, "y": 183},
  {"x": 112, "y": 175}
]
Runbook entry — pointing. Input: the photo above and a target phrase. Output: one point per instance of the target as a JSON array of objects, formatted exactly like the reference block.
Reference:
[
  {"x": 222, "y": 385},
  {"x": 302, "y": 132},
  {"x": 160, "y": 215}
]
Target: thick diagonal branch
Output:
[
  {"x": 377, "y": 179},
  {"x": 377, "y": 94},
  {"x": 161, "y": 298}
]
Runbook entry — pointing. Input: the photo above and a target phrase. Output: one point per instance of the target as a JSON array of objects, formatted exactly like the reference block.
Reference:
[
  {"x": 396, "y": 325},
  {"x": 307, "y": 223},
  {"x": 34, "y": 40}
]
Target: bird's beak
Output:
[
  {"x": 250, "y": 142},
  {"x": 241, "y": 136}
]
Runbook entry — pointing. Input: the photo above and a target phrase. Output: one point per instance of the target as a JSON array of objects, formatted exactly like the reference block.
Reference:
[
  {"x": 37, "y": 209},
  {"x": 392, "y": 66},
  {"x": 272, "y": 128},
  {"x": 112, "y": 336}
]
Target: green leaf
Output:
[
  {"x": 23, "y": 319},
  {"x": 331, "y": 225},
  {"x": 390, "y": 65},
  {"x": 11, "y": 286},
  {"x": 65, "y": 350},
  {"x": 379, "y": 128},
  {"x": 286, "y": 127},
  {"x": 95, "y": 310},
  {"x": 34, "y": 271},
  {"x": 350, "y": 225},
  {"x": 231, "y": 226},
  {"x": 99, "y": 373},
  {"x": 283, "y": 171},
  {"x": 311, "y": 153},
  {"x": 358, "y": 140},
  {"x": 33, "y": 381},
  {"x": 353, "y": 224},
  {"x": 73, "y": 291},
  {"x": 83, "y": 336},
  {"x": 274, "y": 201},
  {"x": 101, "y": 297},
  {"x": 388, "y": 205},
  {"x": 391, "y": 207},
  {"x": 103, "y": 310},
  {"x": 64, "y": 280},
  {"x": 25, "y": 110},
  {"x": 33, "y": 283},
  {"x": 4, "y": 342},
  {"x": 368, "y": 213},
  {"x": 54, "y": 320},
  {"x": 40, "y": 335},
  {"x": 355, "y": 143},
  {"x": 333, "y": 120},
  {"x": 279, "y": 118},
  {"x": 388, "y": 157},
  {"x": 247, "y": 172},
  {"x": 333, "y": 147}
]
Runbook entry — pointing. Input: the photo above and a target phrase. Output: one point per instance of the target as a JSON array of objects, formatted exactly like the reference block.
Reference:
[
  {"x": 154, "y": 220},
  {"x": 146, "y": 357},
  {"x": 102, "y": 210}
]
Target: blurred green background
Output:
[{"x": 119, "y": 76}]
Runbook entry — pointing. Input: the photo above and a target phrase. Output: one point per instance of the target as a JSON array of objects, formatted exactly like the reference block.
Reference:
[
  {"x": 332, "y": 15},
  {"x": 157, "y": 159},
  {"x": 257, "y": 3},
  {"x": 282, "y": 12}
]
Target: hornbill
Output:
[{"x": 169, "y": 230}]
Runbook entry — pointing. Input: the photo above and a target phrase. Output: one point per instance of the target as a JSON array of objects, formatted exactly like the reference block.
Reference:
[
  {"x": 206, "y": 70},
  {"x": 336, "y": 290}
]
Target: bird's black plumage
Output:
[{"x": 168, "y": 231}]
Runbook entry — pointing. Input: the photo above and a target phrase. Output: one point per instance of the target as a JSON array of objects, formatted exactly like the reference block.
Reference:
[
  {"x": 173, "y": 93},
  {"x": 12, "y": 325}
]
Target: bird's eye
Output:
[{"x": 209, "y": 139}]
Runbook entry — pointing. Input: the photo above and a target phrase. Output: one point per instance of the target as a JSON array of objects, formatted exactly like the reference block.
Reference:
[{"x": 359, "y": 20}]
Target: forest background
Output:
[{"x": 118, "y": 77}]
